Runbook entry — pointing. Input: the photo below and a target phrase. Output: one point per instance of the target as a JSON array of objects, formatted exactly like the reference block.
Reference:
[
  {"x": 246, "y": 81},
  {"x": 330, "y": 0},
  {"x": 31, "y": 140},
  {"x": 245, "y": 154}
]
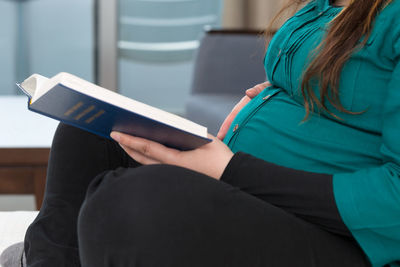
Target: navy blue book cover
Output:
[{"x": 99, "y": 117}]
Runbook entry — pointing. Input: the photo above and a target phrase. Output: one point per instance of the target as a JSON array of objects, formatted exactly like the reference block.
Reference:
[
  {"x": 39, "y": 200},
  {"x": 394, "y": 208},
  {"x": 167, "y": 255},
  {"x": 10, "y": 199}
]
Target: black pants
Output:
[{"x": 131, "y": 215}]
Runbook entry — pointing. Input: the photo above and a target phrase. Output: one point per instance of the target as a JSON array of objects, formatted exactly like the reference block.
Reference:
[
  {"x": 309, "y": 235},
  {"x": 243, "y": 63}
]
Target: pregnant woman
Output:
[{"x": 307, "y": 174}]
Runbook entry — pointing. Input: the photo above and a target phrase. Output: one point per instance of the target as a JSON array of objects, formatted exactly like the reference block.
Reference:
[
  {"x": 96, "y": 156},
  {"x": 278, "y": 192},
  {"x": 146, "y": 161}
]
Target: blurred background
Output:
[
  {"x": 150, "y": 42},
  {"x": 143, "y": 49}
]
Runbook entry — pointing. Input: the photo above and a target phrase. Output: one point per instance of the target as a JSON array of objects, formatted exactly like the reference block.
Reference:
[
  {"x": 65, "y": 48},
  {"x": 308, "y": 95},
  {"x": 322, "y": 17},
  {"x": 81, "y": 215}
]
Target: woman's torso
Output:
[{"x": 270, "y": 127}]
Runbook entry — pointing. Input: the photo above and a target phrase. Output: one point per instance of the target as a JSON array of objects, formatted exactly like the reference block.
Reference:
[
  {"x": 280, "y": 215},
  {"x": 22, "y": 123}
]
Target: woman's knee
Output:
[
  {"x": 75, "y": 142},
  {"x": 67, "y": 133}
]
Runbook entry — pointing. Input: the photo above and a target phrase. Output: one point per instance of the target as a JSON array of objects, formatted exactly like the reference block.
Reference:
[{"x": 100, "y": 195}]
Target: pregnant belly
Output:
[{"x": 274, "y": 132}]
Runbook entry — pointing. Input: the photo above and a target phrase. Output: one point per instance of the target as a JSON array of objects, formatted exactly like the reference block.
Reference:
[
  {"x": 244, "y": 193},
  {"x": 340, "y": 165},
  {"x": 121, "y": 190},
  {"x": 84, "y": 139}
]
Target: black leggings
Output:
[{"x": 131, "y": 215}]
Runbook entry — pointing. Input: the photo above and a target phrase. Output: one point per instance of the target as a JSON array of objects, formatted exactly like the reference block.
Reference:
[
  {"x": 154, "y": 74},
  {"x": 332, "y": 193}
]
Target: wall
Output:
[
  {"x": 251, "y": 14},
  {"x": 46, "y": 37},
  {"x": 7, "y": 47}
]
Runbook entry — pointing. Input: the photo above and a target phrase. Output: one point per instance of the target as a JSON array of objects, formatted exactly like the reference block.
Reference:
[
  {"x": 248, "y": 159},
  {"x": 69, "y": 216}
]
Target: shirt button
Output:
[
  {"x": 266, "y": 97},
  {"x": 236, "y": 127},
  {"x": 280, "y": 52}
]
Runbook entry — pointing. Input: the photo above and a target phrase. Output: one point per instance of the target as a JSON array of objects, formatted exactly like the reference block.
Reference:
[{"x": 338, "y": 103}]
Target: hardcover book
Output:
[{"x": 77, "y": 102}]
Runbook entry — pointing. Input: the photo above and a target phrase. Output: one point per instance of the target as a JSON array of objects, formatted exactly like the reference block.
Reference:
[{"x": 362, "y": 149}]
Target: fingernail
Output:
[{"x": 116, "y": 136}]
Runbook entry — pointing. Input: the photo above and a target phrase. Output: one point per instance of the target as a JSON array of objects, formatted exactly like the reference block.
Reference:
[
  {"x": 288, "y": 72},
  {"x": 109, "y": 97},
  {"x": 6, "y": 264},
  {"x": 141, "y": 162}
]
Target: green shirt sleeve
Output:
[{"x": 369, "y": 199}]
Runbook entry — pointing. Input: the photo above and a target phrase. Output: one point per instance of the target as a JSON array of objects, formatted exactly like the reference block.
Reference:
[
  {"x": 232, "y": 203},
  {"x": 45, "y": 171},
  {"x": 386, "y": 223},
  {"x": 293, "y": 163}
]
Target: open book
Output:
[{"x": 80, "y": 103}]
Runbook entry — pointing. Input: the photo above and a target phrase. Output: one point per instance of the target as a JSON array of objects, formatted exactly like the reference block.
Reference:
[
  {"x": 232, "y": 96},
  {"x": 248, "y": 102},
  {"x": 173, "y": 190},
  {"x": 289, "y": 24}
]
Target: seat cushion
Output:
[
  {"x": 13, "y": 256},
  {"x": 13, "y": 226}
]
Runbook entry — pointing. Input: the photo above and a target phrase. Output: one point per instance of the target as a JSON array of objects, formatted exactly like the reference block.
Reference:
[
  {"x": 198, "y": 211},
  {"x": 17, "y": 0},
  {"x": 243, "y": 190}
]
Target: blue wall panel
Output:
[
  {"x": 7, "y": 47},
  {"x": 46, "y": 37}
]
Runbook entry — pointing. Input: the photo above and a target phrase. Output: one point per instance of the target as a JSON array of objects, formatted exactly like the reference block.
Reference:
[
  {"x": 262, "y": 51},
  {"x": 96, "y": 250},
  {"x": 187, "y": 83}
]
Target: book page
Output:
[{"x": 33, "y": 84}]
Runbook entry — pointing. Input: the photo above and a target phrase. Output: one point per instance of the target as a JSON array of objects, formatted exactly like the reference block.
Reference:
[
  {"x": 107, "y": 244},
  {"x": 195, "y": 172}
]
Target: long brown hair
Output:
[{"x": 352, "y": 24}]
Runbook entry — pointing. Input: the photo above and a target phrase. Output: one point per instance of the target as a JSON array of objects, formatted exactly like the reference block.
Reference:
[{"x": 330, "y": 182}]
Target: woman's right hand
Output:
[{"x": 250, "y": 94}]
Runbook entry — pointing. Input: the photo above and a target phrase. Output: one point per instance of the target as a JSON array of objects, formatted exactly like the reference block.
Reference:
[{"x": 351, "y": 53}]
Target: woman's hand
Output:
[
  {"x": 250, "y": 94},
  {"x": 210, "y": 159}
]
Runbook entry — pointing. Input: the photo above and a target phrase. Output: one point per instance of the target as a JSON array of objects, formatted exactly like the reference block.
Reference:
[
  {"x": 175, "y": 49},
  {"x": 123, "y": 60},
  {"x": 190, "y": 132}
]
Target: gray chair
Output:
[{"x": 228, "y": 62}]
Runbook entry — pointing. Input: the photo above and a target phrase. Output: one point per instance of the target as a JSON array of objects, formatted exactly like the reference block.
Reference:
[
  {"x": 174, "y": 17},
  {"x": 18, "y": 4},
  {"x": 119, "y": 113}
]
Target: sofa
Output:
[{"x": 227, "y": 63}]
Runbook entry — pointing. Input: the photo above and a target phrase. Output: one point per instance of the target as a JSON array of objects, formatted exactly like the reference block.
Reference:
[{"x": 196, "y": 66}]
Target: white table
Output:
[
  {"x": 22, "y": 128},
  {"x": 25, "y": 140}
]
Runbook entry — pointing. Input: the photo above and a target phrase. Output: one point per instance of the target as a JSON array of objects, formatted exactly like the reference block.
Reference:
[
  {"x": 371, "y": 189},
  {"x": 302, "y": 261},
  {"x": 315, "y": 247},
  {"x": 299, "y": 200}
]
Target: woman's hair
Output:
[{"x": 352, "y": 24}]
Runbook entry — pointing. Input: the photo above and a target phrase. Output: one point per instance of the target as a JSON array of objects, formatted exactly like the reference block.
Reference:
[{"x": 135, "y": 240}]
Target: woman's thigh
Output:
[{"x": 168, "y": 216}]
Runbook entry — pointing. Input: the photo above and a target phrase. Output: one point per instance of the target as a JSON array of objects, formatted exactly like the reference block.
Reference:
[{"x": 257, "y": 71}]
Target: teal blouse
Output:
[{"x": 362, "y": 152}]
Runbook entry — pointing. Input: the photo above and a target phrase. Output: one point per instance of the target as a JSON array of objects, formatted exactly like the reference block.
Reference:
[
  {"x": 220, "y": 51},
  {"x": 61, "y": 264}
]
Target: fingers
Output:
[
  {"x": 142, "y": 159},
  {"x": 254, "y": 91},
  {"x": 228, "y": 120},
  {"x": 145, "y": 151},
  {"x": 250, "y": 94}
]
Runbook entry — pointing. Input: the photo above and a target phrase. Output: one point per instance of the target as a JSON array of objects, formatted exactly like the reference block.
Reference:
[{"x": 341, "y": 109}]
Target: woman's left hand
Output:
[{"x": 210, "y": 159}]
